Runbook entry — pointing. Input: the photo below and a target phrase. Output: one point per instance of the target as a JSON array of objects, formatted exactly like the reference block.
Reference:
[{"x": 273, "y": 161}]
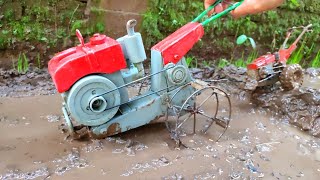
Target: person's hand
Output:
[{"x": 247, "y": 7}]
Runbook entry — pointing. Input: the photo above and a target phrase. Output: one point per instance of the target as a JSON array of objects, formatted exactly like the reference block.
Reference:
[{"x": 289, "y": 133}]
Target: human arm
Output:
[{"x": 247, "y": 7}]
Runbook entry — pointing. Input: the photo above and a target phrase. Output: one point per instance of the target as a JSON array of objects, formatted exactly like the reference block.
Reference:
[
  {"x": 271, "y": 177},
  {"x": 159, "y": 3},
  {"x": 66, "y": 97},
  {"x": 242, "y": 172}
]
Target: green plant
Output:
[
  {"x": 252, "y": 56},
  {"x": 100, "y": 27},
  {"x": 61, "y": 32},
  {"x": 297, "y": 56},
  {"x": 316, "y": 61},
  {"x": 77, "y": 23},
  {"x": 240, "y": 62},
  {"x": 38, "y": 61},
  {"x": 9, "y": 14},
  {"x": 243, "y": 38},
  {"x": 223, "y": 63},
  {"x": 22, "y": 63},
  {"x": 164, "y": 17},
  {"x": 25, "y": 63},
  {"x": 308, "y": 55},
  {"x": 206, "y": 63},
  {"x": 191, "y": 62}
]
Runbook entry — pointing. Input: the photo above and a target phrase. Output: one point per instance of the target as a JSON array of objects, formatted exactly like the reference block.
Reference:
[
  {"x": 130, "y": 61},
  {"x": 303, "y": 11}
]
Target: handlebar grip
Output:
[{"x": 218, "y": 15}]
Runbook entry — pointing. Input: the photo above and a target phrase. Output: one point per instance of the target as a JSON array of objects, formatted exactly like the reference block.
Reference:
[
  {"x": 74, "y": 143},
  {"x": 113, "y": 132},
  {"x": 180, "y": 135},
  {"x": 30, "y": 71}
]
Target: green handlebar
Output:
[
  {"x": 216, "y": 16},
  {"x": 206, "y": 11}
]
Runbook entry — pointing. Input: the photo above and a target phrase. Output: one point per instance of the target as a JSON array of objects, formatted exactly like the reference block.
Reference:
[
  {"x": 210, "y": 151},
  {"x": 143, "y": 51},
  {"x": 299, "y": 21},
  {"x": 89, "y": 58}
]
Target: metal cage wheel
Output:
[
  {"x": 173, "y": 106},
  {"x": 291, "y": 77},
  {"x": 204, "y": 115}
]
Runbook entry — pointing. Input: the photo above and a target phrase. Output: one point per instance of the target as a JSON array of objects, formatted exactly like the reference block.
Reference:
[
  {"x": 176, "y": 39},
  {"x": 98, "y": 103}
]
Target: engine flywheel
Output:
[{"x": 86, "y": 107}]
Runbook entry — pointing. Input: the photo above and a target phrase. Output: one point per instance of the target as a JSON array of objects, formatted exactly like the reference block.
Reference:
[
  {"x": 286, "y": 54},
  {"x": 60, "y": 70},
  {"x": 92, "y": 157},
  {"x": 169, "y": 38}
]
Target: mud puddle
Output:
[{"x": 257, "y": 145}]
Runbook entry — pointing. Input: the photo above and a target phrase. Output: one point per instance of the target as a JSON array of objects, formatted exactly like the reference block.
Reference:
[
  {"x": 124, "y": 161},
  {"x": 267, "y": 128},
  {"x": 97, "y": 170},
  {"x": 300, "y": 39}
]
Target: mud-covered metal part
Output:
[
  {"x": 177, "y": 74},
  {"x": 195, "y": 117},
  {"x": 270, "y": 68},
  {"x": 291, "y": 77},
  {"x": 68, "y": 121}
]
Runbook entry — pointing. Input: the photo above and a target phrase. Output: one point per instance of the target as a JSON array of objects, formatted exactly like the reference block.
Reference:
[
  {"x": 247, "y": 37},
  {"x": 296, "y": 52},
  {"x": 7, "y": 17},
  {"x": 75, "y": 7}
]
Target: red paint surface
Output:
[
  {"x": 286, "y": 53},
  {"x": 261, "y": 61},
  {"x": 175, "y": 46},
  {"x": 101, "y": 55},
  {"x": 270, "y": 58}
]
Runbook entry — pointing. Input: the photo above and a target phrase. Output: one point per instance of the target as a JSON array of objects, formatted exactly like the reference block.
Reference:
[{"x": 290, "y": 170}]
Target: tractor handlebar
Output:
[
  {"x": 291, "y": 30},
  {"x": 218, "y": 15}
]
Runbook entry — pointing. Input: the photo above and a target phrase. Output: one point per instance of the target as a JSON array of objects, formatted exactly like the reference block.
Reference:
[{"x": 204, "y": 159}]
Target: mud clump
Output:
[
  {"x": 300, "y": 106},
  {"x": 34, "y": 82}
]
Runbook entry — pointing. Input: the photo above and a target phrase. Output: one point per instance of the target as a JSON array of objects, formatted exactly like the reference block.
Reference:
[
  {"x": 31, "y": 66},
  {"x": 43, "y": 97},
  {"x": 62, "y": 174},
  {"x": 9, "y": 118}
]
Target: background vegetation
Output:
[
  {"x": 37, "y": 29},
  {"x": 268, "y": 30},
  {"x": 32, "y": 31}
]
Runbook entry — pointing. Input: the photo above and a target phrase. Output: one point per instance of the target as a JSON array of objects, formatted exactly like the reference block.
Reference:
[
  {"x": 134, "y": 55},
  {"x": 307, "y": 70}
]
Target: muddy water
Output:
[
  {"x": 255, "y": 145},
  {"x": 311, "y": 82}
]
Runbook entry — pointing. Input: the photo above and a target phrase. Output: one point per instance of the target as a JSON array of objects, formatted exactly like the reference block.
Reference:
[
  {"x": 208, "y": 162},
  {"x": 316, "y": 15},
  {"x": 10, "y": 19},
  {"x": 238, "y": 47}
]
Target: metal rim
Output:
[{"x": 194, "y": 110}]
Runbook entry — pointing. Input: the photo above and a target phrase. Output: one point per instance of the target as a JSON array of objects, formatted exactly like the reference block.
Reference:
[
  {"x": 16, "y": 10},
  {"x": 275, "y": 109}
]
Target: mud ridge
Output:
[{"x": 299, "y": 107}]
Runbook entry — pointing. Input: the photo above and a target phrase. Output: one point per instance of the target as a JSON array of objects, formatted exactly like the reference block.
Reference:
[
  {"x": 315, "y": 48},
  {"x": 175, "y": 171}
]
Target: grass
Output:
[
  {"x": 223, "y": 63},
  {"x": 316, "y": 61},
  {"x": 206, "y": 63},
  {"x": 22, "y": 64},
  {"x": 252, "y": 56},
  {"x": 192, "y": 62},
  {"x": 297, "y": 56},
  {"x": 164, "y": 17},
  {"x": 38, "y": 61},
  {"x": 242, "y": 62}
]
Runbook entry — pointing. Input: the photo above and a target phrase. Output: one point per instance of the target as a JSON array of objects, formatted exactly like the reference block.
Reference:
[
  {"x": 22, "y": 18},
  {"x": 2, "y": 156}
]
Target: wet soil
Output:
[
  {"x": 34, "y": 82},
  {"x": 299, "y": 107},
  {"x": 258, "y": 144}
]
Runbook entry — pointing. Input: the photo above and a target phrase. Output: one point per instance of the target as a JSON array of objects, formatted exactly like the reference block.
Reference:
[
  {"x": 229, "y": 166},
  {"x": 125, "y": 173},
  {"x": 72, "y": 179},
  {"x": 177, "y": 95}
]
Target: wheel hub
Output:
[
  {"x": 98, "y": 104},
  {"x": 87, "y": 107}
]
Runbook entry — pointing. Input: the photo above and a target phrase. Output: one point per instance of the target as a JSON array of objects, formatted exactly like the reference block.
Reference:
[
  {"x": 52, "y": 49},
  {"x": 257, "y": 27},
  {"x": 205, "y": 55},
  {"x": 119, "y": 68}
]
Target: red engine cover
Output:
[
  {"x": 101, "y": 55},
  {"x": 175, "y": 46}
]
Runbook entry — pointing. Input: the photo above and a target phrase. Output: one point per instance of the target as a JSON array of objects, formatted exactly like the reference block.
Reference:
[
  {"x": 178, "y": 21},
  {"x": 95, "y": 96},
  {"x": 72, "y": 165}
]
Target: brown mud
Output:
[
  {"x": 299, "y": 107},
  {"x": 258, "y": 144}
]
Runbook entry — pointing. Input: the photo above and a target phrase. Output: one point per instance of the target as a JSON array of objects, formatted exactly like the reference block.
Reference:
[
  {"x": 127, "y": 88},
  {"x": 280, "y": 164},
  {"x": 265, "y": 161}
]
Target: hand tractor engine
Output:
[{"x": 95, "y": 79}]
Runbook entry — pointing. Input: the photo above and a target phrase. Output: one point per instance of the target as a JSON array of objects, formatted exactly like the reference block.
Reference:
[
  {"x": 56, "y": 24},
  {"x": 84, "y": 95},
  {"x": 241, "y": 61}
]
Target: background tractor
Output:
[{"x": 268, "y": 69}]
